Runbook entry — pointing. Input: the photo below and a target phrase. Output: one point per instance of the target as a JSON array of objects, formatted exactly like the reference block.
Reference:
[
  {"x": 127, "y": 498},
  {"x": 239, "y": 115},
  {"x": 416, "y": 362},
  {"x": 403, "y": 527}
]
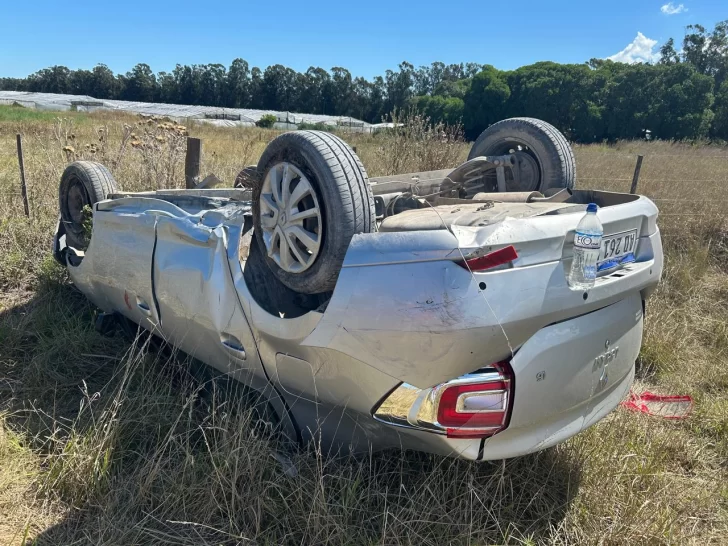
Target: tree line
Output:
[
  {"x": 682, "y": 95},
  {"x": 316, "y": 91}
]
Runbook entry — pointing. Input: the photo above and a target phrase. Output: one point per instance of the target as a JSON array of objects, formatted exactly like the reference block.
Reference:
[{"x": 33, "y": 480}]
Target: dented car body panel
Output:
[{"x": 404, "y": 312}]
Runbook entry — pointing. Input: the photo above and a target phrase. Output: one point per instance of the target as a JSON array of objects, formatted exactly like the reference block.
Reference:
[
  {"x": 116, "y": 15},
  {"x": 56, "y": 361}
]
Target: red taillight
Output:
[
  {"x": 475, "y": 405},
  {"x": 492, "y": 259},
  {"x": 476, "y": 410}
]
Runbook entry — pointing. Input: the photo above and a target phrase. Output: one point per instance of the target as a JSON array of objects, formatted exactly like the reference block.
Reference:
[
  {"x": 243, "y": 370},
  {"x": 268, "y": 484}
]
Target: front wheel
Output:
[{"x": 543, "y": 156}]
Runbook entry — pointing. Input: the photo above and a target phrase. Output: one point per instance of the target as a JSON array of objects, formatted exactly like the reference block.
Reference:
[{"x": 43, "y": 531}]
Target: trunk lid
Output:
[{"x": 540, "y": 231}]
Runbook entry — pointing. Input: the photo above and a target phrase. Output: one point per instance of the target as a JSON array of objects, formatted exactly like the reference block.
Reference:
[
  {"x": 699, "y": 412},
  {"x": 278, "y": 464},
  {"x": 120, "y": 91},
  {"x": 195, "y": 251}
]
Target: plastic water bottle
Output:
[{"x": 587, "y": 245}]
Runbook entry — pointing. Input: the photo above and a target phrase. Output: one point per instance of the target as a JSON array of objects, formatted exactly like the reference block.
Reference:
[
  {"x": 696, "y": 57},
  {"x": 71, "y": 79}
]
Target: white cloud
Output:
[
  {"x": 672, "y": 9},
  {"x": 639, "y": 51}
]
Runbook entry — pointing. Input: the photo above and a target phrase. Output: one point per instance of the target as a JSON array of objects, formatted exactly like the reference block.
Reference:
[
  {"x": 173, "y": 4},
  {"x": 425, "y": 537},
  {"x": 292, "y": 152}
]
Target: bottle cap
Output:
[{"x": 591, "y": 207}]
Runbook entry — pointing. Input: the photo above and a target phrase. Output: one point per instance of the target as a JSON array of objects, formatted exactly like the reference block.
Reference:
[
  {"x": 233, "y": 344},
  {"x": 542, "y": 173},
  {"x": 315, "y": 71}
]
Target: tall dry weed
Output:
[{"x": 415, "y": 144}]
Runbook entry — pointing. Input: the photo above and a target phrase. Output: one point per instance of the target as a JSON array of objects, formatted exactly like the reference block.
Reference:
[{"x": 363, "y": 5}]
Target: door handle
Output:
[
  {"x": 143, "y": 306},
  {"x": 233, "y": 346}
]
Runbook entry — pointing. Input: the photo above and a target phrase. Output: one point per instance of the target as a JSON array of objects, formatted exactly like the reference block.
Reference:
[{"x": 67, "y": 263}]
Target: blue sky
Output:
[{"x": 365, "y": 37}]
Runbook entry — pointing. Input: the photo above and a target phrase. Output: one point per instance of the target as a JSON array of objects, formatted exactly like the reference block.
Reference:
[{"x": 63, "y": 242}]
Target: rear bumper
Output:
[
  {"x": 542, "y": 434},
  {"x": 528, "y": 439},
  {"x": 568, "y": 376}
]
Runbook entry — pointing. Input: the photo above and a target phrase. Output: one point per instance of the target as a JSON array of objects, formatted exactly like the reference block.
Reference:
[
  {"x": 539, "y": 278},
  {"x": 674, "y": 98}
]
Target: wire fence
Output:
[
  {"x": 612, "y": 153},
  {"x": 646, "y": 179},
  {"x": 598, "y": 173},
  {"x": 577, "y": 150}
]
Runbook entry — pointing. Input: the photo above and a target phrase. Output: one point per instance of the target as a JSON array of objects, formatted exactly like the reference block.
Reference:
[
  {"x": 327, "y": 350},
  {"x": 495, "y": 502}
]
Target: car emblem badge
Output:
[
  {"x": 601, "y": 364},
  {"x": 604, "y": 377}
]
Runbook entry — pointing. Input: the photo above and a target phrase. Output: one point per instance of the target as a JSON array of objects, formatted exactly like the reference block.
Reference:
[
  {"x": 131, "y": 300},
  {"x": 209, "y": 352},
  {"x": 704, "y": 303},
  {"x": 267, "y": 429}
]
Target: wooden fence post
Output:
[
  {"x": 192, "y": 162},
  {"x": 636, "y": 176},
  {"x": 23, "y": 187}
]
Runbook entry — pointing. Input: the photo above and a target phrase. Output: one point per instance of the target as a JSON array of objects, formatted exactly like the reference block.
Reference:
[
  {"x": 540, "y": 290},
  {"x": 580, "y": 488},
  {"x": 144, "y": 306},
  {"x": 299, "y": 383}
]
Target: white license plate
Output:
[{"x": 617, "y": 250}]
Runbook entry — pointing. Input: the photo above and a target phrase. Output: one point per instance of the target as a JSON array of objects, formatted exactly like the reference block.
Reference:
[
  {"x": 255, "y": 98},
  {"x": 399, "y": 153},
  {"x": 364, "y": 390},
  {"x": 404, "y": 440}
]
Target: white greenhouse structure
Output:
[{"x": 178, "y": 112}]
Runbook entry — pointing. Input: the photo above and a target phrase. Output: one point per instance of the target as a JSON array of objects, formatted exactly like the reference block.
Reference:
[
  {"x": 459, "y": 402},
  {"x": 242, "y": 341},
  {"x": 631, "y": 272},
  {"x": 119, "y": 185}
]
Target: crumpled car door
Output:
[
  {"x": 115, "y": 272},
  {"x": 198, "y": 303}
]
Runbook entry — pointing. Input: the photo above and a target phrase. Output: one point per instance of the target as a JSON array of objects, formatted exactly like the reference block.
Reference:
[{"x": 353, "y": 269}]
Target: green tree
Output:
[
  {"x": 280, "y": 88},
  {"x": 187, "y": 84},
  {"x": 551, "y": 91},
  {"x": 50, "y": 80},
  {"x": 436, "y": 75},
  {"x": 628, "y": 100},
  {"x": 368, "y": 101},
  {"x": 720, "y": 121},
  {"x": 672, "y": 101},
  {"x": 485, "y": 100},
  {"x": 471, "y": 69},
  {"x": 79, "y": 82},
  {"x": 167, "y": 90},
  {"x": 103, "y": 84},
  {"x": 256, "y": 88},
  {"x": 453, "y": 72},
  {"x": 668, "y": 54},
  {"x": 453, "y": 88},
  {"x": 681, "y": 101},
  {"x": 343, "y": 91},
  {"x": 316, "y": 95},
  {"x": 140, "y": 84},
  {"x": 707, "y": 51},
  {"x": 446, "y": 109},
  {"x": 267, "y": 121},
  {"x": 238, "y": 85},
  {"x": 399, "y": 87},
  {"x": 212, "y": 86},
  {"x": 421, "y": 81},
  {"x": 13, "y": 84}
]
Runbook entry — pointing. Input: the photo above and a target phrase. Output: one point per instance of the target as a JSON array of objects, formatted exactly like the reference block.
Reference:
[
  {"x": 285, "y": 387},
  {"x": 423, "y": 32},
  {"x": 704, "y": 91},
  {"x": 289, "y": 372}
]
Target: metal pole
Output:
[
  {"x": 192, "y": 162},
  {"x": 23, "y": 187},
  {"x": 636, "y": 177}
]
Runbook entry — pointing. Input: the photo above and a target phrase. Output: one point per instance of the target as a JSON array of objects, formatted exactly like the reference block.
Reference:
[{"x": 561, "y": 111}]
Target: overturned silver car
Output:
[{"x": 428, "y": 310}]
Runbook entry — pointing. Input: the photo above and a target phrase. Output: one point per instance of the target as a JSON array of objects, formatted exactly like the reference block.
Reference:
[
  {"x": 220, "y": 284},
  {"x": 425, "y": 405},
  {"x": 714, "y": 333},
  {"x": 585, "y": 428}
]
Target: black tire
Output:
[
  {"x": 342, "y": 188},
  {"x": 247, "y": 178},
  {"x": 83, "y": 183},
  {"x": 541, "y": 142}
]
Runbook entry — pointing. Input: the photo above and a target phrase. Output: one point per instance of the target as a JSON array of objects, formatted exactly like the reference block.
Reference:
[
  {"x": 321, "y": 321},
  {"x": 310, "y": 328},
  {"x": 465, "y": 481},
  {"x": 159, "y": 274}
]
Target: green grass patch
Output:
[{"x": 16, "y": 114}]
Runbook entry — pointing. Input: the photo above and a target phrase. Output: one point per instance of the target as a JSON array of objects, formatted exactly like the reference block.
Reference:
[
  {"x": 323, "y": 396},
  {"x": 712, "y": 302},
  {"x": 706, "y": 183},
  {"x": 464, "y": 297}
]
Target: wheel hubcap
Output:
[{"x": 290, "y": 218}]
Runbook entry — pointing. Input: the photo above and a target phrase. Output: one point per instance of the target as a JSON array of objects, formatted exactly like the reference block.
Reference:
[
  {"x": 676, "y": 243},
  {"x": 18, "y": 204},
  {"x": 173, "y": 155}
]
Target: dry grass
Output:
[{"x": 106, "y": 443}]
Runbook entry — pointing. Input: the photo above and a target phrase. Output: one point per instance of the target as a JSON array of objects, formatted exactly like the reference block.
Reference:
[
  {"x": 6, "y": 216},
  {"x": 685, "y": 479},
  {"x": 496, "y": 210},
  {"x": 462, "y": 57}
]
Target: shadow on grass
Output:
[{"x": 136, "y": 454}]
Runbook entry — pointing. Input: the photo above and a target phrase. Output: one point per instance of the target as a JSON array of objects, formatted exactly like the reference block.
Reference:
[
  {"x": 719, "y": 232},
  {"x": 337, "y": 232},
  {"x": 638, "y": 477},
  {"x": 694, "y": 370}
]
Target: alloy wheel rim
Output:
[{"x": 290, "y": 218}]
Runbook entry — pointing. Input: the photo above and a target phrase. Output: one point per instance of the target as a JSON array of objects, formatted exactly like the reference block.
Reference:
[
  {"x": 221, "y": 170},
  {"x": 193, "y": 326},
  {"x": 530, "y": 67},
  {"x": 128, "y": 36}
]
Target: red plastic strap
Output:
[{"x": 667, "y": 407}]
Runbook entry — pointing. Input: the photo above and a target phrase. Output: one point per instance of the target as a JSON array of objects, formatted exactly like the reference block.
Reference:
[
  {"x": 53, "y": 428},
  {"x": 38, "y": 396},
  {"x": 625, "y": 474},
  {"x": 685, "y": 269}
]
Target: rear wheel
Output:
[
  {"x": 83, "y": 183},
  {"x": 544, "y": 158},
  {"x": 311, "y": 197},
  {"x": 247, "y": 178}
]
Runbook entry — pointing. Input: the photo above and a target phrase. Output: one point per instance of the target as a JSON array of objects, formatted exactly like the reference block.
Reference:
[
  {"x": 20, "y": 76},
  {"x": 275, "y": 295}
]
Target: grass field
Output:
[{"x": 106, "y": 443}]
